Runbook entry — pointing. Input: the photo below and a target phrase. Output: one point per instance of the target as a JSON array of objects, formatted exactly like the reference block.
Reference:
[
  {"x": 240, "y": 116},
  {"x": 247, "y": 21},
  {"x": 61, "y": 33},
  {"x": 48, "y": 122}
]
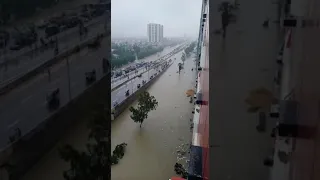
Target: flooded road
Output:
[{"x": 151, "y": 150}]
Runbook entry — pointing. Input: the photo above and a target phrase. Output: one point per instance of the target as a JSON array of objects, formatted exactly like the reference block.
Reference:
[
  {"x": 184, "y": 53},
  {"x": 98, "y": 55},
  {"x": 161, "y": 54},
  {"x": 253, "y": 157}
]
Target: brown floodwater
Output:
[{"x": 152, "y": 150}]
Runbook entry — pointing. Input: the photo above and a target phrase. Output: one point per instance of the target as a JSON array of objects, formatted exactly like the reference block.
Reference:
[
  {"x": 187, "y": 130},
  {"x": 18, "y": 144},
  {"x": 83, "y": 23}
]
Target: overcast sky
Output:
[{"x": 129, "y": 18}]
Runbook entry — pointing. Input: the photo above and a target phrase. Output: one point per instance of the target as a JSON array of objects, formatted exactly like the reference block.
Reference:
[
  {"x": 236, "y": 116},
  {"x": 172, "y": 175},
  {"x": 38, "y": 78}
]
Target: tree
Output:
[
  {"x": 136, "y": 49},
  {"x": 190, "y": 48},
  {"x": 146, "y": 103},
  {"x": 95, "y": 161},
  {"x": 183, "y": 57}
]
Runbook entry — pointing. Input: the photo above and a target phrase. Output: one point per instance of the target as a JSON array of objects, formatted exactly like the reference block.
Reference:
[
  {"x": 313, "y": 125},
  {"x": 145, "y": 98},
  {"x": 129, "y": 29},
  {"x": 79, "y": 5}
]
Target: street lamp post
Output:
[
  {"x": 132, "y": 85},
  {"x": 148, "y": 74}
]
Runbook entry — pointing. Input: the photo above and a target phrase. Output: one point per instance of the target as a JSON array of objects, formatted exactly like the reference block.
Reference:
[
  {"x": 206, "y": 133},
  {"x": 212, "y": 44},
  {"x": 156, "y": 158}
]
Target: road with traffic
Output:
[
  {"x": 25, "y": 107},
  {"x": 118, "y": 95},
  {"x": 30, "y": 59}
]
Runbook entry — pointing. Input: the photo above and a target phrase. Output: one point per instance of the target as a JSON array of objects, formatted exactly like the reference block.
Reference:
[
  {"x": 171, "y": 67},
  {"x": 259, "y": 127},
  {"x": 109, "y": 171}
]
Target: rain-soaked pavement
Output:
[{"x": 151, "y": 150}]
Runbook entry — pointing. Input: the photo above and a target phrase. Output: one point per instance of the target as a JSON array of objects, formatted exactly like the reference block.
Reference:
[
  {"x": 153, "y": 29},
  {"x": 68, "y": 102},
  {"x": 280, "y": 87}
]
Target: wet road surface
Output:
[
  {"x": 25, "y": 107},
  {"x": 245, "y": 60},
  {"x": 27, "y": 61},
  {"x": 118, "y": 95},
  {"x": 151, "y": 149}
]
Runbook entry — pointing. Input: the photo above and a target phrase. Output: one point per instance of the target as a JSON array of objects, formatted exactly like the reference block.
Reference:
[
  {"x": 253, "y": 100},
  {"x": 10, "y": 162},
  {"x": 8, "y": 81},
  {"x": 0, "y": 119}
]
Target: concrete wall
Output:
[
  {"x": 126, "y": 103},
  {"x": 28, "y": 150},
  {"x": 24, "y": 77}
]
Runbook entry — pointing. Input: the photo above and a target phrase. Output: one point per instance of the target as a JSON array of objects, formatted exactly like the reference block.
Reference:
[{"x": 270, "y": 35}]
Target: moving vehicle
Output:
[
  {"x": 140, "y": 75},
  {"x": 127, "y": 93},
  {"x": 53, "y": 99}
]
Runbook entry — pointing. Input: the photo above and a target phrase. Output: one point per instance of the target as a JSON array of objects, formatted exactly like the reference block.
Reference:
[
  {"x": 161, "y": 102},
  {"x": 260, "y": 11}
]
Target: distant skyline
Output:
[{"x": 179, "y": 17}]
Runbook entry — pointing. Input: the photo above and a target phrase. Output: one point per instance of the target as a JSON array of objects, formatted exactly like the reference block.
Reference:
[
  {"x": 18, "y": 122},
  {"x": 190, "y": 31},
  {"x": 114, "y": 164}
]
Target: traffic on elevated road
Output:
[
  {"x": 28, "y": 105},
  {"x": 13, "y": 66},
  {"x": 120, "y": 94}
]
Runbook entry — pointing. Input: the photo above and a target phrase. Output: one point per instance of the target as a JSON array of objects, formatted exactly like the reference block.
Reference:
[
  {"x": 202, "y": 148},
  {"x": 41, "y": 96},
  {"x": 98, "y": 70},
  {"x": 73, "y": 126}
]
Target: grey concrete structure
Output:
[
  {"x": 245, "y": 60},
  {"x": 302, "y": 70}
]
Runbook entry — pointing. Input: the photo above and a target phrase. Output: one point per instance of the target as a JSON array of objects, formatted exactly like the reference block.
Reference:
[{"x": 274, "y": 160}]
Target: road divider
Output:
[
  {"x": 18, "y": 80},
  {"x": 116, "y": 111},
  {"x": 167, "y": 56}
]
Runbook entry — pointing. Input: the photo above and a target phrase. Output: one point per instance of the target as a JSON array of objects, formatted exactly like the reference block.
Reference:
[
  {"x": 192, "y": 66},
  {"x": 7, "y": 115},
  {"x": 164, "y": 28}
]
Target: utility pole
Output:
[
  {"x": 68, "y": 73},
  {"x": 148, "y": 74},
  {"x": 132, "y": 85}
]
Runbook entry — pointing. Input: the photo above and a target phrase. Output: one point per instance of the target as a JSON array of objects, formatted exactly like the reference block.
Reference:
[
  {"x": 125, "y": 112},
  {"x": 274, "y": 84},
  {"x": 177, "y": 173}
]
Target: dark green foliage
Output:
[
  {"x": 118, "y": 153},
  {"x": 183, "y": 57},
  {"x": 94, "y": 163},
  {"x": 124, "y": 53},
  {"x": 190, "y": 48},
  {"x": 146, "y": 103},
  {"x": 121, "y": 55},
  {"x": 148, "y": 51},
  {"x": 136, "y": 49}
]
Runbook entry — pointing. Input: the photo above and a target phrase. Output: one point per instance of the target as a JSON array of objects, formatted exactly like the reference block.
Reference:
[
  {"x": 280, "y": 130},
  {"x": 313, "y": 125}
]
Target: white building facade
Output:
[{"x": 155, "y": 32}]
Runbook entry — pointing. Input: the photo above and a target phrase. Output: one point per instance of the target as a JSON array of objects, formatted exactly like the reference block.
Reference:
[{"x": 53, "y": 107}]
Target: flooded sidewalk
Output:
[{"x": 151, "y": 150}]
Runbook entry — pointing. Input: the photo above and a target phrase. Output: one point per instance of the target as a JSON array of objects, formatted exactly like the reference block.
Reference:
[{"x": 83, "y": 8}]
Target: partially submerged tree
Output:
[
  {"x": 118, "y": 153},
  {"x": 146, "y": 103},
  {"x": 183, "y": 57},
  {"x": 190, "y": 48}
]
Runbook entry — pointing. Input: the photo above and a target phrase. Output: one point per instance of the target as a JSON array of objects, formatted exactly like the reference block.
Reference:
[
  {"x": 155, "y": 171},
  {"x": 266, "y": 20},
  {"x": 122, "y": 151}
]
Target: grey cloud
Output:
[{"x": 129, "y": 18}]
